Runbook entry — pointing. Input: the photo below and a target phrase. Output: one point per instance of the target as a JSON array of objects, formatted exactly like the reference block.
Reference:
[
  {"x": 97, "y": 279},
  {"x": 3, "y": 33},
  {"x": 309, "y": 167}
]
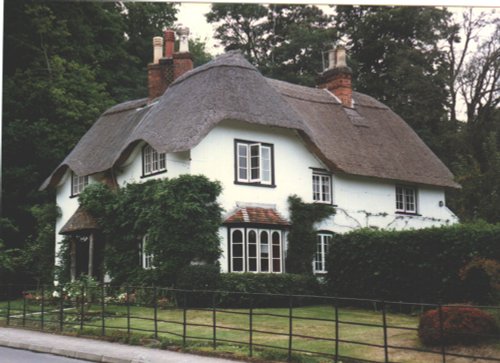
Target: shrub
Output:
[
  {"x": 413, "y": 265},
  {"x": 481, "y": 278},
  {"x": 261, "y": 285},
  {"x": 460, "y": 325}
]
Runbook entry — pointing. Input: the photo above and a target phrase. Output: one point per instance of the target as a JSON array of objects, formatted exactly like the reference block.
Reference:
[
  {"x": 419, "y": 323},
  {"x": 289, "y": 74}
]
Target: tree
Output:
[
  {"x": 283, "y": 41},
  {"x": 396, "y": 58},
  {"x": 64, "y": 64}
]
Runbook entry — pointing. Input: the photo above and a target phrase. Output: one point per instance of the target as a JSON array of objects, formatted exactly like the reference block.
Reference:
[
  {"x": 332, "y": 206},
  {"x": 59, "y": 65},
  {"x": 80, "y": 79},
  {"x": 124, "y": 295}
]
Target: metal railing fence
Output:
[{"x": 256, "y": 320}]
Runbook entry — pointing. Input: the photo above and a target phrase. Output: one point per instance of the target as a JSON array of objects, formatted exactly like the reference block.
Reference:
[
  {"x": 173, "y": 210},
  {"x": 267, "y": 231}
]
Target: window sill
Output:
[
  {"x": 326, "y": 203},
  {"x": 74, "y": 196},
  {"x": 153, "y": 174},
  {"x": 408, "y": 213},
  {"x": 255, "y": 184}
]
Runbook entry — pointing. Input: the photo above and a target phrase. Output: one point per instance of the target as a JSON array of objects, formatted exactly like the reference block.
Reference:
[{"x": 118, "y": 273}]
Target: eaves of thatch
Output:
[{"x": 369, "y": 140}]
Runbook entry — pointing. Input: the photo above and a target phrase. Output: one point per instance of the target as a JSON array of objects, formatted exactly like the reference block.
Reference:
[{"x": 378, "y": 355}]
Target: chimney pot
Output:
[
  {"x": 340, "y": 57},
  {"x": 157, "y": 49},
  {"x": 183, "y": 33},
  {"x": 169, "y": 36}
]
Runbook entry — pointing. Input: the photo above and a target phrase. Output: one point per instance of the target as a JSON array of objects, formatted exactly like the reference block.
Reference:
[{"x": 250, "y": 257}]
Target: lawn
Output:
[{"x": 312, "y": 332}]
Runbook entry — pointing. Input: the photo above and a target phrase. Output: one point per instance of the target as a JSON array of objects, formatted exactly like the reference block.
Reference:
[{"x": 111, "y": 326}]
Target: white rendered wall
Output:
[{"x": 214, "y": 157}]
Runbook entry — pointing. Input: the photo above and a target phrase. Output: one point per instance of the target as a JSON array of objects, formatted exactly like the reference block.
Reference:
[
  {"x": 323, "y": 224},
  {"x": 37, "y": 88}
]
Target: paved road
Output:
[
  {"x": 8, "y": 355},
  {"x": 92, "y": 350}
]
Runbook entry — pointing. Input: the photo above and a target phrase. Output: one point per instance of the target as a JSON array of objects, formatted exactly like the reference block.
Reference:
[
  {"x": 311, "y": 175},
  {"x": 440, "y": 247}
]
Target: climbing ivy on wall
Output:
[
  {"x": 302, "y": 236},
  {"x": 181, "y": 217}
]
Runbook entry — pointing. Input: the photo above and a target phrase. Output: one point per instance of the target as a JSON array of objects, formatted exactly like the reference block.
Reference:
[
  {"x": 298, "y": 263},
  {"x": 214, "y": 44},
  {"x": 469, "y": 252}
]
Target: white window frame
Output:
[
  {"x": 271, "y": 256},
  {"x": 147, "y": 258},
  {"x": 78, "y": 183},
  {"x": 153, "y": 162},
  {"x": 252, "y": 165},
  {"x": 323, "y": 241},
  {"x": 406, "y": 199},
  {"x": 320, "y": 182}
]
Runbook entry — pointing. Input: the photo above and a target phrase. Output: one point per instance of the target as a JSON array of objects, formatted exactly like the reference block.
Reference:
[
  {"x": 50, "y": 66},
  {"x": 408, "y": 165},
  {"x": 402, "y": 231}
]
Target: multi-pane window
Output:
[
  {"x": 78, "y": 183},
  {"x": 147, "y": 257},
  {"x": 254, "y": 162},
  {"x": 322, "y": 187},
  {"x": 406, "y": 199},
  {"x": 260, "y": 250},
  {"x": 153, "y": 162},
  {"x": 322, "y": 244}
]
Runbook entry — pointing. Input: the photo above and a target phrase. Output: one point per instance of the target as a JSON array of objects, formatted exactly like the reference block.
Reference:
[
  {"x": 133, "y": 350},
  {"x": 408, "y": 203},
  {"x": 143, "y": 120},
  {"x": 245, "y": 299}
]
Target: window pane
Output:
[
  {"x": 316, "y": 195},
  {"x": 264, "y": 251},
  {"x": 252, "y": 265},
  {"x": 242, "y": 162},
  {"x": 255, "y": 161},
  {"x": 238, "y": 264},
  {"x": 237, "y": 237},
  {"x": 237, "y": 250},
  {"x": 266, "y": 164},
  {"x": 325, "y": 188}
]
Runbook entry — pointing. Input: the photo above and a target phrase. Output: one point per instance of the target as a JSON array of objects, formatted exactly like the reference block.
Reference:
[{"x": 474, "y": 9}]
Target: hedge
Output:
[{"x": 414, "y": 265}]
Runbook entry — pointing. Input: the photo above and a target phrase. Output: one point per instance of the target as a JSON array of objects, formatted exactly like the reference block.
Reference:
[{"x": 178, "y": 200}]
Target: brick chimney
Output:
[
  {"x": 167, "y": 65},
  {"x": 338, "y": 77}
]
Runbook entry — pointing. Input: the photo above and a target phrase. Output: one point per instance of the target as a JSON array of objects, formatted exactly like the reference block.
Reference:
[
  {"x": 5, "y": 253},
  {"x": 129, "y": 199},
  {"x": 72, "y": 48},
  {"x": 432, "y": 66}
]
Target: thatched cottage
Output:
[{"x": 264, "y": 140}]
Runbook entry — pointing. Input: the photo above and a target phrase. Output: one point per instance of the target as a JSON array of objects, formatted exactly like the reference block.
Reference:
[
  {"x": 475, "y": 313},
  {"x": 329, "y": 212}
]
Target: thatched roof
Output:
[
  {"x": 80, "y": 221},
  {"x": 369, "y": 140}
]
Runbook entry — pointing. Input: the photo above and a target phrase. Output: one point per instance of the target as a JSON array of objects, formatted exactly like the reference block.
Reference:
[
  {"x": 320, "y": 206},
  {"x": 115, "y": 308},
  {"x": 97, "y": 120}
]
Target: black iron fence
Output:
[{"x": 329, "y": 328}]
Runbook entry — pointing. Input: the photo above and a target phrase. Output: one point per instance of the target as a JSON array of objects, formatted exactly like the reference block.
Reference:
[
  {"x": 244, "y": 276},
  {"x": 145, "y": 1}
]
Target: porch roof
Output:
[{"x": 80, "y": 221}]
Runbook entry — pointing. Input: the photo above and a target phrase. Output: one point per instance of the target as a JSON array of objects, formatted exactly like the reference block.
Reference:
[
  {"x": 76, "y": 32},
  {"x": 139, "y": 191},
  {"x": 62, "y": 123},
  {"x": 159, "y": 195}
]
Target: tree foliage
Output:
[
  {"x": 180, "y": 216},
  {"x": 283, "y": 41}
]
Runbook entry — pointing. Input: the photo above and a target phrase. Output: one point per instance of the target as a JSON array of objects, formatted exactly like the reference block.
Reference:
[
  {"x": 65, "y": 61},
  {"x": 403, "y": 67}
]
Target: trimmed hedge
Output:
[
  {"x": 415, "y": 265},
  {"x": 263, "y": 284}
]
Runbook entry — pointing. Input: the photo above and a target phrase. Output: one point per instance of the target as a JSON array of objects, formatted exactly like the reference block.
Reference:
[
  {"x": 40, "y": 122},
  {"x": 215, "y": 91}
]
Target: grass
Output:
[{"x": 312, "y": 332}]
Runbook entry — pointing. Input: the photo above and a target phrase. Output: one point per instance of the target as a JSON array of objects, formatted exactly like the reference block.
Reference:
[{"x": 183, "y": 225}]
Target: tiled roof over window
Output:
[{"x": 256, "y": 215}]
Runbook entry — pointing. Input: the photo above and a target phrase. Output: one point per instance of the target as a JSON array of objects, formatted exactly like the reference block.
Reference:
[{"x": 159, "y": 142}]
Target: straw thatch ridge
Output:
[{"x": 369, "y": 140}]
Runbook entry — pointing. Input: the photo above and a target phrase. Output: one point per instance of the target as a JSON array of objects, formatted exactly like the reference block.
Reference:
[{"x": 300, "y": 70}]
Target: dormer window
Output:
[
  {"x": 78, "y": 183},
  {"x": 153, "y": 162},
  {"x": 254, "y": 163}
]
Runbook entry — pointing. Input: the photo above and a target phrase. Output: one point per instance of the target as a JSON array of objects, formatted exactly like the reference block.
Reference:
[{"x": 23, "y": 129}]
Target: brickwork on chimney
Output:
[
  {"x": 339, "y": 82},
  {"x": 183, "y": 62},
  {"x": 156, "y": 84}
]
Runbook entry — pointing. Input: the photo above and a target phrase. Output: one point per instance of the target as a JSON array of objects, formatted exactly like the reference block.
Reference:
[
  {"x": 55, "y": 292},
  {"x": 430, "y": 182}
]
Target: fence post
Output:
[
  {"x": 103, "y": 311},
  {"x": 290, "y": 326},
  {"x": 441, "y": 332},
  {"x": 42, "y": 308},
  {"x": 184, "y": 319},
  {"x": 251, "y": 327},
  {"x": 24, "y": 306},
  {"x": 336, "y": 331},
  {"x": 384, "y": 322},
  {"x": 214, "y": 322},
  {"x": 61, "y": 310},
  {"x": 9, "y": 294},
  {"x": 155, "y": 301},
  {"x": 127, "y": 292},
  {"x": 82, "y": 305}
]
